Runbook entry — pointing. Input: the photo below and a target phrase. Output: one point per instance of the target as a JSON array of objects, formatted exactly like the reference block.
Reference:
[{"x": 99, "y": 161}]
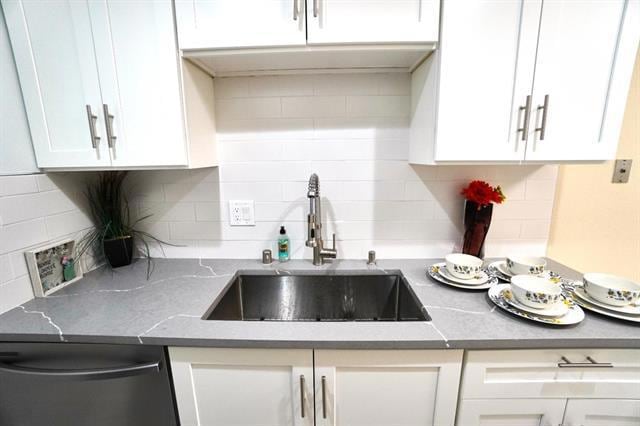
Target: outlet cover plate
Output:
[
  {"x": 241, "y": 213},
  {"x": 621, "y": 171}
]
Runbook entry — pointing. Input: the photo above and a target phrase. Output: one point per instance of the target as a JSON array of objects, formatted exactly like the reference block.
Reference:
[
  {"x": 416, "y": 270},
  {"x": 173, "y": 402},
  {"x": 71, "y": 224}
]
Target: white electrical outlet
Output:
[{"x": 241, "y": 213}]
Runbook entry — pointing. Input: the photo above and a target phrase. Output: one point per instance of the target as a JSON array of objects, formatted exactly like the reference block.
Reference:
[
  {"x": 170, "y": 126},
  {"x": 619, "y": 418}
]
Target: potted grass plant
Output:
[{"x": 115, "y": 235}]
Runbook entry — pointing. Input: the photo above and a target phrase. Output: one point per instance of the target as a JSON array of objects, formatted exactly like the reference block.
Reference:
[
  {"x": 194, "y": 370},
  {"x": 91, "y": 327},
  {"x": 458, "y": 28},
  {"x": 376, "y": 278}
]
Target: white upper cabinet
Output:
[
  {"x": 372, "y": 21},
  {"x": 207, "y": 24},
  {"x": 486, "y": 73},
  {"x": 576, "y": 60},
  {"x": 104, "y": 87},
  {"x": 55, "y": 57},
  {"x": 481, "y": 97},
  {"x": 140, "y": 82}
]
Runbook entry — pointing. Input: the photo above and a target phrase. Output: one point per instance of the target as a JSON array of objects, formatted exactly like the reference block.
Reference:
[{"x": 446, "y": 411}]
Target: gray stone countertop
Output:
[{"x": 122, "y": 306}]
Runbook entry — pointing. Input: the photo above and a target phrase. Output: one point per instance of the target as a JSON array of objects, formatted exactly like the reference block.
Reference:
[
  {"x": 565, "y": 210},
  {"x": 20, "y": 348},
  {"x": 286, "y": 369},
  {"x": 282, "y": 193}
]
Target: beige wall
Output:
[{"x": 596, "y": 223}]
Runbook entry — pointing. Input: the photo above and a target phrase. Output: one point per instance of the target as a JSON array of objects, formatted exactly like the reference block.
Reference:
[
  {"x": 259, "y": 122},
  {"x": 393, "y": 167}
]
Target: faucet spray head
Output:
[{"x": 314, "y": 186}]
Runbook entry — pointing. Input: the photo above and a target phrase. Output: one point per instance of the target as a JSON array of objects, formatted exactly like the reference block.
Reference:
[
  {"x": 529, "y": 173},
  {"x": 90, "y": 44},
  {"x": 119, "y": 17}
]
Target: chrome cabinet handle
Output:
[
  {"x": 95, "y": 139},
  {"x": 108, "y": 121},
  {"x": 525, "y": 123},
  {"x": 315, "y": 8},
  {"x": 85, "y": 374},
  {"x": 545, "y": 109},
  {"x": 324, "y": 397},
  {"x": 295, "y": 10},
  {"x": 591, "y": 364},
  {"x": 302, "y": 398}
]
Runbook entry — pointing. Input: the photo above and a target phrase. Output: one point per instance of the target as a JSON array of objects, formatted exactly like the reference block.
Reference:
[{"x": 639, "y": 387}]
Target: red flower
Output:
[{"x": 482, "y": 193}]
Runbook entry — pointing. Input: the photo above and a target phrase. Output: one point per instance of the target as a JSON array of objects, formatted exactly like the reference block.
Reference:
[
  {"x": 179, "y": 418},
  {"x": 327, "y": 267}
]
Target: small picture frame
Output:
[{"x": 52, "y": 267}]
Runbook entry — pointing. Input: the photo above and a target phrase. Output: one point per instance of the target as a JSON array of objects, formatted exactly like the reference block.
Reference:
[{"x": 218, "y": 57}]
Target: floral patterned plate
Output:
[
  {"x": 557, "y": 310},
  {"x": 480, "y": 278},
  {"x": 434, "y": 272},
  {"x": 628, "y": 310},
  {"x": 499, "y": 269},
  {"x": 607, "y": 312},
  {"x": 497, "y": 296}
]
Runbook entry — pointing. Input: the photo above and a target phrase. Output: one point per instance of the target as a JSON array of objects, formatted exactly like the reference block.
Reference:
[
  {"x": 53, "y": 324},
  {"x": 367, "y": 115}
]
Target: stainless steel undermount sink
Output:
[{"x": 348, "y": 296}]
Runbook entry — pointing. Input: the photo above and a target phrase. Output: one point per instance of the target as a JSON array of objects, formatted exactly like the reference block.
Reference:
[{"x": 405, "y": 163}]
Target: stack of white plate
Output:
[
  {"x": 564, "y": 312},
  {"x": 596, "y": 295},
  {"x": 480, "y": 281}
]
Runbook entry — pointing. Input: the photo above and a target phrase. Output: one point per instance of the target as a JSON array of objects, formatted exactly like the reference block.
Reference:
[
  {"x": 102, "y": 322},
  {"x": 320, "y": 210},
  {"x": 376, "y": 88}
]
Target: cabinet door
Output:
[
  {"x": 369, "y": 388},
  {"x": 602, "y": 412},
  {"x": 372, "y": 21},
  {"x": 486, "y": 73},
  {"x": 511, "y": 412},
  {"x": 53, "y": 48},
  {"x": 243, "y": 387},
  {"x": 140, "y": 80},
  {"x": 206, "y": 24},
  {"x": 578, "y": 60}
]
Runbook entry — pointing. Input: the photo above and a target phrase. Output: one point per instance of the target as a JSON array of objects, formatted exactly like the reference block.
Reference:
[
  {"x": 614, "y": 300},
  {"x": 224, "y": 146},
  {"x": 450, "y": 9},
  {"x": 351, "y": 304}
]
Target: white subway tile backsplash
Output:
[
  {"x": 22, "y": 234},
  {"x": 353, "y": 130},
  {"x": 314, "y": 106},
  {"x": 166, "y": 211},
  {"x": 346, "y": 84},
  {"x": 6, "y": 271},
  {"x": 280, "y": 85},
  {"x": 248, "y": 108},
  {"x": 15, "y": 292},
  {"x": 378, "y": 106},
  {"x": 61, "y": 225},
  {"x": 14, "y": 185},
  {"x": 210, "y": 212},
  {"x": 19, "y": 208},
  {"x": 265, "y": 171},
  {"x": 35, "y": 210}
]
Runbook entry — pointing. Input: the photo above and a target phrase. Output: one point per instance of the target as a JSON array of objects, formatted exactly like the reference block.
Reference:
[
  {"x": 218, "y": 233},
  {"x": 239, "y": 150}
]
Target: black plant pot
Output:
[
  {"x": 118, "y": 251},
  {"x": 477, "y": 220}
]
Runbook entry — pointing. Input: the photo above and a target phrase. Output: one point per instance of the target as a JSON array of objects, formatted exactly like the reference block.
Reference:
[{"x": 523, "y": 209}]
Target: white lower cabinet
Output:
[
  {"x": 602, "y": 412},
  {"x": 369, "y": 388},
  {"x": 511, "y": 412},
  {"x": 566, "y": 387},
  {"x": 275, "y": 387}
]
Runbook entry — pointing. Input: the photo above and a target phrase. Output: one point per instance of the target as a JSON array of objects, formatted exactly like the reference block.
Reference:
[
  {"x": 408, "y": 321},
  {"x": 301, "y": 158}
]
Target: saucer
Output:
[
  {"x": 433, "y": 272},
  {"x": 480, "y": 278},
  {"x": 574, "y": 315},
  {"x": 499, "y": 269},
  {"x": 557, "y": 310},
  {"x": 627, "y": 310}
]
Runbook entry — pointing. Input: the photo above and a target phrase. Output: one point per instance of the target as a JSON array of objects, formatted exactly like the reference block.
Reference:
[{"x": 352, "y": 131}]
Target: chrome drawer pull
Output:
[
  {"x": 591, "y": 364},
  {"x": 324, "y": 397},
  {"x": 108, "y": 121},
  {"x": 95, "y": 139},
  {"x": 545, "y": 109},
  {"x": 525, "y": 124},
  {"x": 295, "y": 10},
  {"x": 302, "y": 399}
]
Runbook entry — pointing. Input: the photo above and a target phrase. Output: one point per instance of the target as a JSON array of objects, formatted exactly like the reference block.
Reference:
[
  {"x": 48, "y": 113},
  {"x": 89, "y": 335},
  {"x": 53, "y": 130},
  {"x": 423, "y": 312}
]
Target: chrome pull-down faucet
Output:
[{"x": 314, "y": 225}]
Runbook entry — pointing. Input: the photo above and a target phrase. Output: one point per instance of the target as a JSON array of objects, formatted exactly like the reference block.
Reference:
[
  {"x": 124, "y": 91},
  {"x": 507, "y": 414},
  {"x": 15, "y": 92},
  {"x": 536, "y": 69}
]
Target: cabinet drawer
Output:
[{"x": 544, "y": 374}]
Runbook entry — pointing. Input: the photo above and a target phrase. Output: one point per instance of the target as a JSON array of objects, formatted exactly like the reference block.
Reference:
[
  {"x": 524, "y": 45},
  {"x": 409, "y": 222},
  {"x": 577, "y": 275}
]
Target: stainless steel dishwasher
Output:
[{"x": 84, "y": 384}]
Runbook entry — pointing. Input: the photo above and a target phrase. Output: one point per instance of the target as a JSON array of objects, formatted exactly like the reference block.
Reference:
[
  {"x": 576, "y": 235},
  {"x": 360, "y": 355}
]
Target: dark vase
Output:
[
  {"x": 118, "y": 251},
  {"x": 476, "y": 225}
]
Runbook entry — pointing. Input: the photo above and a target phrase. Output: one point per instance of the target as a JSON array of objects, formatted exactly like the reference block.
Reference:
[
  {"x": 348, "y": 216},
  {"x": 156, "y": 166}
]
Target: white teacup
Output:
[
  {"x": 526, "y": 265},
  {"x": 610, "y": 289},
  {"x": 535, "y": 292},
  {"x": 463, "y": 266}
]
